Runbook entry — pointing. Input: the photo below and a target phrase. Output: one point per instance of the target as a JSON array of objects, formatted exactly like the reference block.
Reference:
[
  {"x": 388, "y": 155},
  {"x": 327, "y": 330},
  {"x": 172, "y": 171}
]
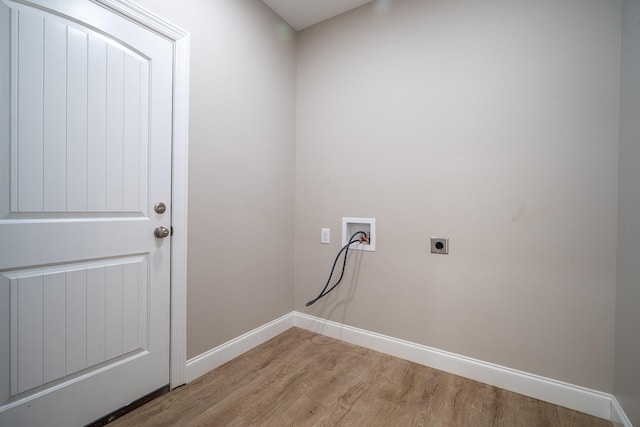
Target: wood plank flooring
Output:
[{"x": 303, "y": 379}]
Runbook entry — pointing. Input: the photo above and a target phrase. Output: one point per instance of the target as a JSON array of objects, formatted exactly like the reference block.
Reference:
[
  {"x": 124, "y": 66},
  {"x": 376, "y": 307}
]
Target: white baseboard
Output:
[
  {"x": 618, "y": 417},
  {"x": 570, "y": 396},
  {"x": 220, "y": 355},
  {"x": 581, "y": 399}
]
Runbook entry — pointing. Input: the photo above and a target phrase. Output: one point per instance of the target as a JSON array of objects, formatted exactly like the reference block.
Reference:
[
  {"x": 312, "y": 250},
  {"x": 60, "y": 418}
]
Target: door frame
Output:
[{"x": 179, "y": 175}]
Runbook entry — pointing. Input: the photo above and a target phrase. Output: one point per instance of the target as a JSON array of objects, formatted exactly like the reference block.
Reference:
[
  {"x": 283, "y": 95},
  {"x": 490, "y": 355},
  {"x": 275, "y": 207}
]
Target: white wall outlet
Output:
[
  {"x": 325, "y": 236},
  {"x": 351, "y": 225}
]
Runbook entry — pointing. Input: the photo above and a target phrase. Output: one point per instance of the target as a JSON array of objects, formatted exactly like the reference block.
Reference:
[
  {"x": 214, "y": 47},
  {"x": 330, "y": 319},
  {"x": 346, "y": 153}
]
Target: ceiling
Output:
[{"x": 301, "y": 14}]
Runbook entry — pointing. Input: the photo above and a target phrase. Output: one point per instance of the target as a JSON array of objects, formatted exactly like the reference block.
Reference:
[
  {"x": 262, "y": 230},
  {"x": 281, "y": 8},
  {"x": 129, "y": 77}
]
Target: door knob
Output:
[{"x": 161, "y": 232}]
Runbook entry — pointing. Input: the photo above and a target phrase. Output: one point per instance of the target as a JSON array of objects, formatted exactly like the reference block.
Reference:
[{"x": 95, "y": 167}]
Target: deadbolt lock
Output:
[{"x": 160, "y": 208}]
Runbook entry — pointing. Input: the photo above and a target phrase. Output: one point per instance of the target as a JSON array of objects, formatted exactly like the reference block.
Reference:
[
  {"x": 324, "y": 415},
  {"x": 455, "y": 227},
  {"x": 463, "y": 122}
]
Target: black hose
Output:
[{"x": 344, "y": 249}]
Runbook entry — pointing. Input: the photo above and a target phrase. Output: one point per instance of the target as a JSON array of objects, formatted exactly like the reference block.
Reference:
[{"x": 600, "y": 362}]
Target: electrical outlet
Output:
[
  {"x": 439, "y": 245},
  {"x": 325, "y": 236}
]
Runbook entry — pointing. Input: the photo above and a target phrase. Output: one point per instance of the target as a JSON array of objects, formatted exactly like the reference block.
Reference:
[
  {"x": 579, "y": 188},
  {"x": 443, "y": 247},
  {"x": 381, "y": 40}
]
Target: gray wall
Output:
[
  {"x": 494, "y": 124},
  {"x": 241, "y": 166},
  {"x": 627, "y": 367}
]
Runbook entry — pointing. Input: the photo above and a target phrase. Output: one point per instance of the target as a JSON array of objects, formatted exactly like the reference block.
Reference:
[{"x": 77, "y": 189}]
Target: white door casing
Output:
[{"x": 85, "y": 152}]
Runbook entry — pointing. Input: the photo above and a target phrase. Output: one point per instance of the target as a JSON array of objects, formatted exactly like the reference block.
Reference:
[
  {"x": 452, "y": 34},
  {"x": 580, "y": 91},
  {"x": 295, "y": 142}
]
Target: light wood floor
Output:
[{"x": 303, "y": 379}]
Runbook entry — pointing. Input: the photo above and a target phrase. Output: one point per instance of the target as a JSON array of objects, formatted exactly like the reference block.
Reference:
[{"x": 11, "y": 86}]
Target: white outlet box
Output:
[{"x": 351, "y": 225}]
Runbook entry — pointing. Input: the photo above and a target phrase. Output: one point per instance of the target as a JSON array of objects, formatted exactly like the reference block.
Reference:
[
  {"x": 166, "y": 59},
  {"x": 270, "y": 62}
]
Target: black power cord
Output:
[{"x": 344, "y": 249}]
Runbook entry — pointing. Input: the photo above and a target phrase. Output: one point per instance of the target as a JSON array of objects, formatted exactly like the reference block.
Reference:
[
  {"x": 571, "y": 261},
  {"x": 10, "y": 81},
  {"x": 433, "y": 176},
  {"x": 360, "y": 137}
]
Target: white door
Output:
[{"x": 85, "y": 154}]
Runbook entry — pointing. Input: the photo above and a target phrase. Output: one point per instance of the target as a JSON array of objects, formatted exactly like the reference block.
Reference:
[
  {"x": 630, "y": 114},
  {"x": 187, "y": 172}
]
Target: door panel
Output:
[
  {"x": 62, "y": 122},
  {"x": 84, "y": 284},
  {"x": 71, "y": 318}
]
